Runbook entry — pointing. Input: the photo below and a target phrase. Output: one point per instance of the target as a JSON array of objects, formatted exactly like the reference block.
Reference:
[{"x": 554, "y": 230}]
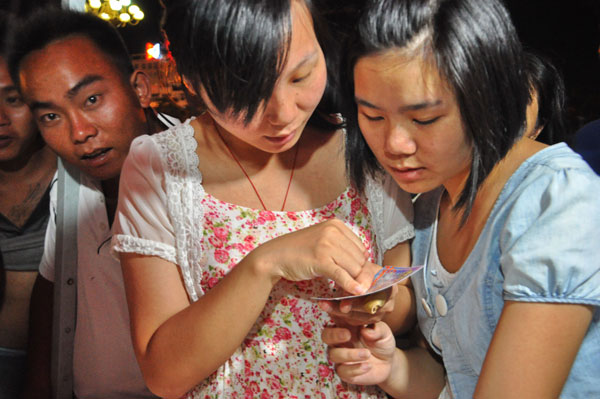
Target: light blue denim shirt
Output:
[{"x": 540, "y": 244}]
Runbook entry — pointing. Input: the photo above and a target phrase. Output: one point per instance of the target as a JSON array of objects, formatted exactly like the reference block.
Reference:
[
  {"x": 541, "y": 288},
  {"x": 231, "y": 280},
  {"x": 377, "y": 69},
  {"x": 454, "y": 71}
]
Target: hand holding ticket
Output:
[{"x": 384, "y": 278}]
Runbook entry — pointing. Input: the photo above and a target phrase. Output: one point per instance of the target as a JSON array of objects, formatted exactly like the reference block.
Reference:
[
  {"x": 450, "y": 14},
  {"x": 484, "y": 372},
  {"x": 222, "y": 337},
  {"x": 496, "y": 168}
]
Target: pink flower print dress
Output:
[{"x": 174, "y": 218}]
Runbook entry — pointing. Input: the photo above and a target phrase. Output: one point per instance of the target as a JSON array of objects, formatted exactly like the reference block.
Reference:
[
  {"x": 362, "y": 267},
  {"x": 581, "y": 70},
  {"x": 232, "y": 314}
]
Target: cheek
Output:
[
  {"x": 57, "y": 142},
  {"x": 21, "y": 117},
  {"x": 313, "y": 94},
  {"x": 373, "y": 139}
]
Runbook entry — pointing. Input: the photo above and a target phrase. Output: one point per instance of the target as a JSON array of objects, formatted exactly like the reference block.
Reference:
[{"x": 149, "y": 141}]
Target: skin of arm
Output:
[
  {"x": 179, "y": 344},
  {"x": 532, "y": 350},
  {"x": 40, "y": 340},
  {"x": 372, "y": 358}
]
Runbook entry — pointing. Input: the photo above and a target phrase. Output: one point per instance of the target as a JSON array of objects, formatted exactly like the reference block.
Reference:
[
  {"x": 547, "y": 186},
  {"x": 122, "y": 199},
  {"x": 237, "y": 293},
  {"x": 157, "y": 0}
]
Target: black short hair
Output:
[
  {"x": 474, "y": 46},
  {"x": 235, "y": 50},
  {"x": 47, "y": 25},
  {"x": 549, "y": 87},
  {"x": 6, "y": 32}
]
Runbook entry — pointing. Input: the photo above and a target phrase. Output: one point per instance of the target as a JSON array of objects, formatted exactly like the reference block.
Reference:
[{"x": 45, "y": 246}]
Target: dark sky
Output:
[{"x": 147, "y": 30}]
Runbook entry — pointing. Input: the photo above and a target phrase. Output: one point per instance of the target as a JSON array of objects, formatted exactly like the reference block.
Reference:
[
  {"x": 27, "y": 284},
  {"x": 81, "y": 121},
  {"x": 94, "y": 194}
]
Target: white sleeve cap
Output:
[{"x": 142, "y": 224}]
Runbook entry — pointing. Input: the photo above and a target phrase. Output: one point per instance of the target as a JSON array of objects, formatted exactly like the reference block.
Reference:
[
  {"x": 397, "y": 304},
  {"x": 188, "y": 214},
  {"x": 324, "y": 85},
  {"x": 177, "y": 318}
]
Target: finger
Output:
[
  {"x": 327, "y": 306},
  {"x": 375, "y": 332},
  {"x": 346, "y": 305},
  {"x": 353, "y": 372},
  {"x": 367, "y": 273},
  {"x": 342, "y": 278},
  {"x": 336, "y": 335},
  {"x": 348, "y": 355}
]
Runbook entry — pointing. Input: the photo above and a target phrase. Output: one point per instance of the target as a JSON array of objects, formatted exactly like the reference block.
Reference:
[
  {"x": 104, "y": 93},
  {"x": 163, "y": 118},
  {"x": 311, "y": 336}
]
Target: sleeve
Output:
[
  {"x": 46, "y": 268},
  {"x": 142, "y": 224},
  {"x": 549, "y": 244},
  {"x": 391, "y": 210}
]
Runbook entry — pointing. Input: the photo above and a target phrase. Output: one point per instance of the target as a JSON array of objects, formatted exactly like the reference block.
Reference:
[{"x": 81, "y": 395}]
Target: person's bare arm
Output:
[
  {"x": 532, "y": 350},
  {"x": 179, "y": 344}
]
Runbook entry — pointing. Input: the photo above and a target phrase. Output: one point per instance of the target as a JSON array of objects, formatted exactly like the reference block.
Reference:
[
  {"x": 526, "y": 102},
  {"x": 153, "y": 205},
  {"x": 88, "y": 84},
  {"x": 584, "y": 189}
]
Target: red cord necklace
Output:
[{"x": 248, "y": 177}]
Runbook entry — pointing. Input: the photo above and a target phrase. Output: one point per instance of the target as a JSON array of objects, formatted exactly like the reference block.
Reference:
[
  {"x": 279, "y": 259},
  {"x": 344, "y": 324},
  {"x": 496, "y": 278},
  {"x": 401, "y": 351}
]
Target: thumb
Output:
[{"x": 365, "y": 277}]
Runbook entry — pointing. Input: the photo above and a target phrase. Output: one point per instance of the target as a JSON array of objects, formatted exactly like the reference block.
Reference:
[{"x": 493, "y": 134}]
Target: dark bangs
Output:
[{"x": 233, "y": 50}]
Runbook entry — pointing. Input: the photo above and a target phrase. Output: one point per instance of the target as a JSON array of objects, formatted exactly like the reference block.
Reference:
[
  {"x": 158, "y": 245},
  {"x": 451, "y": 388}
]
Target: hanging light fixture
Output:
[{"x": 118, "y": 12}]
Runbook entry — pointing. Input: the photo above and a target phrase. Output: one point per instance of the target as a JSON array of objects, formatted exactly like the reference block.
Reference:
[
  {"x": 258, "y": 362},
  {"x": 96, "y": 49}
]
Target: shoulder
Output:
[
  {"x": 554, "y": 177},
  {"x": 543, "y": 222}
]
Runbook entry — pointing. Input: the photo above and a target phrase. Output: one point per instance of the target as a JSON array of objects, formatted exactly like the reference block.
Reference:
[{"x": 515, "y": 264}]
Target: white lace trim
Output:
[
  {"x": 184, "y": 194},
  {"x": 129, "y": 244},
  {"x": 374, "y": 191}
]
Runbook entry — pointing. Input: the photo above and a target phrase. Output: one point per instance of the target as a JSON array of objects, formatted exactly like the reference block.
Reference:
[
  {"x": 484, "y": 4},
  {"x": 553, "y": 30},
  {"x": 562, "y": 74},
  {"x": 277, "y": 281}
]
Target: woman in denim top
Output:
[{"x": 506, "y": 227}]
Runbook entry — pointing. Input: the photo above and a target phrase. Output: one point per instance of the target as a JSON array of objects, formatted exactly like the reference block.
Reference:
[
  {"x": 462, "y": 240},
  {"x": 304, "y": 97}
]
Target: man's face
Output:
[
  {"x": 87, "y": 112},
  {"x": 17, "y": 129}
]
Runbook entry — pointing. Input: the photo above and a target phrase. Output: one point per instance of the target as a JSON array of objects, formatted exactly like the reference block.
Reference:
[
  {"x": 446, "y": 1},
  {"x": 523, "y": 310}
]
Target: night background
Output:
[{"x": 567, "y": 32}]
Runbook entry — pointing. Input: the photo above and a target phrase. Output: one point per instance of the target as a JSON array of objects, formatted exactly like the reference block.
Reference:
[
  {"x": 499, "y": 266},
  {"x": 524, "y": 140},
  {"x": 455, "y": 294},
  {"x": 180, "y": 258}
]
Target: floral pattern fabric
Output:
[
  {"x": 283, "y": 355},
  {"x": 164, "y": 211}
]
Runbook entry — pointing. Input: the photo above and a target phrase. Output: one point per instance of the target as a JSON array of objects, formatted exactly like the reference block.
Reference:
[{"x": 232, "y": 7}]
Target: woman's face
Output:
[
  {"x": 411, "y": 121},
  {"x": 296, "y": 94}
]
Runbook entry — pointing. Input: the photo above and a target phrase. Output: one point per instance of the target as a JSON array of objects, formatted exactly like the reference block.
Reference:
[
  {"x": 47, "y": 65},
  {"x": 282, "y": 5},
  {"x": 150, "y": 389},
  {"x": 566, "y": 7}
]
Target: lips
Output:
[
  {"x": 281, "y": 139},
  {"x": 95, "y": 154},
  {"x": 5, "y": 141},
  {"x": 406, "y": 175},
  {"x": 97, "y": 158}
]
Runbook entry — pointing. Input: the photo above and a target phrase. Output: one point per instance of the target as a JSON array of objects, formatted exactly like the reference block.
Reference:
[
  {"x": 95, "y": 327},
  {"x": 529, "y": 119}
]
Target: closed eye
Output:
[
  {"x": 14, "y": 100},
  {"x": 301, "y": 78},
  {"x": 426, "y": 122},
  {"x": 372, "y": 118}
]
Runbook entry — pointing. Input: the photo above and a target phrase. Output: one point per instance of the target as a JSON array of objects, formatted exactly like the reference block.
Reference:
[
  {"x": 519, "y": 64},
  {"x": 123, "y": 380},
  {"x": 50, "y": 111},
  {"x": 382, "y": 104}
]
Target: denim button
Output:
[
  {"x": 441, "y": 305},
  {"x": 426, "y": 307}
]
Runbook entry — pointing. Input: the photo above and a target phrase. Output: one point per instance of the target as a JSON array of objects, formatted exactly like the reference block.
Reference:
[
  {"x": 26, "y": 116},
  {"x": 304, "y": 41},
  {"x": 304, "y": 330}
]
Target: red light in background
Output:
[{"x": 153, "y": 51}]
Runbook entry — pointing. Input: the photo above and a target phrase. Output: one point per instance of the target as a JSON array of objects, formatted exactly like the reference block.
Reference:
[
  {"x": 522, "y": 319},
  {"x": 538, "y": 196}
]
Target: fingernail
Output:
[{"x": 359, "y": 289}]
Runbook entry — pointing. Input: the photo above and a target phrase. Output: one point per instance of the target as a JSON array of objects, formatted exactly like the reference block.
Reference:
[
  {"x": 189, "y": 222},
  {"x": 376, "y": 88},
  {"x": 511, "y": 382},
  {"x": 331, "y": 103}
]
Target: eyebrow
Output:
[
  {"x": 8, "y": 89},
  {"x": 305, "y": 60},
  {"x": 86, "y": 81},
  {"x": 72, "y": 92},
  {"x": 410, "y": 107}
]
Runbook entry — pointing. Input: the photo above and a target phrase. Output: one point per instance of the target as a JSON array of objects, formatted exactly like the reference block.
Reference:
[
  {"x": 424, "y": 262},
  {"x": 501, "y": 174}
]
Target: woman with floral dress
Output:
[{"x": 230, "y": 223}]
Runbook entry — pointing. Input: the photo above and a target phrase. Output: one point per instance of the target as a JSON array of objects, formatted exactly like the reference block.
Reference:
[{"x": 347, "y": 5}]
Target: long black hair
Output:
[
  {"x": 475, "y": 48},
  {"x": 235, "y": 50}
]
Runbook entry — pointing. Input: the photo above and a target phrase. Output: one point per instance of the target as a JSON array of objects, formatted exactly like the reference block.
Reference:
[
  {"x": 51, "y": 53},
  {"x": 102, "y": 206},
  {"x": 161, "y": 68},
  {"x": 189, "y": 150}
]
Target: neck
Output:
[
  {"x": 455, "y": 185},
  {"x": 251, "y": 156},
  {"x": 32, "y": 160}
]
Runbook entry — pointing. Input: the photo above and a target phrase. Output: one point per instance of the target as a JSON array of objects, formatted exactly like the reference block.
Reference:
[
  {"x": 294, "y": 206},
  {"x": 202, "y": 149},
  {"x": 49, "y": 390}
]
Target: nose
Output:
[
  {"x": 282, "y": 107},
  {"x": 399, "y": 141},
  {"x": 81, "y": 128}
]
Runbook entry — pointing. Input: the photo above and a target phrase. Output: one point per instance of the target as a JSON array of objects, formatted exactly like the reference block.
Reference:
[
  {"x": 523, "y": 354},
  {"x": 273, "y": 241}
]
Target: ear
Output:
[{"x": 140, "y": 82}]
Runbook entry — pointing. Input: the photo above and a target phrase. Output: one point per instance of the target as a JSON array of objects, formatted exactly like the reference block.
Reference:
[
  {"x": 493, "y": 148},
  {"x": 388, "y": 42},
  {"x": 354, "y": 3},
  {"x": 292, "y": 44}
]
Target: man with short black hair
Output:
[{"x": 76, "y": 75}]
